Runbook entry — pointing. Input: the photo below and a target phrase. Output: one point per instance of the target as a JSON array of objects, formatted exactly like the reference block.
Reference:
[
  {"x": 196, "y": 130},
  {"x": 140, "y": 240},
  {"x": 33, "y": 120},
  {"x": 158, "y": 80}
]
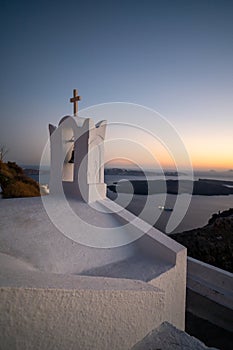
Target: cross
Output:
[{"x": 75, "y": 100}]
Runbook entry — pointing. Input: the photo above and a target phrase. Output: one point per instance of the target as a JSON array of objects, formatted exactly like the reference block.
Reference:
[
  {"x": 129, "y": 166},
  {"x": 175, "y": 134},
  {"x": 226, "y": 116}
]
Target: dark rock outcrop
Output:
[{"x": 212, "y": 243}]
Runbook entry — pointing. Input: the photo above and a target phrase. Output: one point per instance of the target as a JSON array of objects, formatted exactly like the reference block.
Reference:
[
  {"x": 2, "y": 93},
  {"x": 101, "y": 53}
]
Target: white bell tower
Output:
[{"x": 77, "y": 157}]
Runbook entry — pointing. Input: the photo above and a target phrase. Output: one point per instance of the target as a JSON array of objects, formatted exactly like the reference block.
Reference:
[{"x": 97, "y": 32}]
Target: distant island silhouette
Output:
[
  {"x": 135, "y": 172},
  {"x": 203, "y": 187}
]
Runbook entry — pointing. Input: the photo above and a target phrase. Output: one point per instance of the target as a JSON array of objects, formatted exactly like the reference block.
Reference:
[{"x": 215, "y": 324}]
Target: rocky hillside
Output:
[
  {"x": 14, "y": 183},
  {"x": 212, "y": 243}
]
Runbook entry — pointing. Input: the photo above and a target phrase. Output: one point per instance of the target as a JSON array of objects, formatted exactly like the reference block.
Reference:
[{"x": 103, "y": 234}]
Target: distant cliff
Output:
[
  {"x": 29, "y": 171},
  {"x": 118, "y": 171},
  {"x": 14, "y": 183},
  {"x": 136, "y": 172},
  {"x": 212, "y": 243}
]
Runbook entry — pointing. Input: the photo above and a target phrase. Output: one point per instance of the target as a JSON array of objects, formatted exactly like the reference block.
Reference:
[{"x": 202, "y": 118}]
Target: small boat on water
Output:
[{"x": 165, "y": 209}]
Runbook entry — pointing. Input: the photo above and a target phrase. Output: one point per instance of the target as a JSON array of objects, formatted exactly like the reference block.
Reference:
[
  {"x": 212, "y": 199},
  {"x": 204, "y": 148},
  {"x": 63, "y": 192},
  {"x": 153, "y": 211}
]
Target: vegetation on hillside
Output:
[
  {"x": 14, "y": 183},
  {"x": 212, "y": 243}
]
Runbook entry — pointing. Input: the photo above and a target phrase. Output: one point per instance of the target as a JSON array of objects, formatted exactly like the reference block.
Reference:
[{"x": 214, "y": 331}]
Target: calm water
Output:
[{"x": 200, "y": 210}]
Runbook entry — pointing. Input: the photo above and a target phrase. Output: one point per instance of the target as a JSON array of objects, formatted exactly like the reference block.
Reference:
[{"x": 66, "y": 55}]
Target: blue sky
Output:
[{"x": 172, "y": 56}]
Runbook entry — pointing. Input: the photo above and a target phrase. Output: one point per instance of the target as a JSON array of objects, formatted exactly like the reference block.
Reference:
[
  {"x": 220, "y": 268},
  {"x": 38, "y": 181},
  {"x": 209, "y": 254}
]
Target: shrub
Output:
[
  {"x": 15, "y": 183},
  {"x": 20, "y": 189}
]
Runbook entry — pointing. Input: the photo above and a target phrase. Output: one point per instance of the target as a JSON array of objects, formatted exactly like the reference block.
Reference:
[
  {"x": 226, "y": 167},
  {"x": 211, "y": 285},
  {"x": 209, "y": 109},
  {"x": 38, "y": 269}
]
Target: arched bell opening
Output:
[
  {"x": 68, "y": 155},
  {"x": 71, "y": 161}
]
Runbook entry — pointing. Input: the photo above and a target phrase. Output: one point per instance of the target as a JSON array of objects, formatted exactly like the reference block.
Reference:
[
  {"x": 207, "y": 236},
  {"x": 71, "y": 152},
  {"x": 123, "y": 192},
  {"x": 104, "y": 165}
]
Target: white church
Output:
[{"x": 78, "y": 271}]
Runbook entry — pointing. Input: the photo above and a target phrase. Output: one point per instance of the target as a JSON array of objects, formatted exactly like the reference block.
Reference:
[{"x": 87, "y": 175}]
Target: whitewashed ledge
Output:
[
  {"x": 57, "y": 293},
  {"x": 210, "y": 293},
  {"x": 40, "y": 310}
]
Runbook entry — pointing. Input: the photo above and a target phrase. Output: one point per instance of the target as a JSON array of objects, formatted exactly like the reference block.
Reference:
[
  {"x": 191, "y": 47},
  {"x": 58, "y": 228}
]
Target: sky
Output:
[{"x": 175, "y": 57}]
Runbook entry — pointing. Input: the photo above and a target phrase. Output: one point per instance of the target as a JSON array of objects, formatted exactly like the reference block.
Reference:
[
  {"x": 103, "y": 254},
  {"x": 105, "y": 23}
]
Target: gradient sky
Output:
[{"x": 172, "y": 56}]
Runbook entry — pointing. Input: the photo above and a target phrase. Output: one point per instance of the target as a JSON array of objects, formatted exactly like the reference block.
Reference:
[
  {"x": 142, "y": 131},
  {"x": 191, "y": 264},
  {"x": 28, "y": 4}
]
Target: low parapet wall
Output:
[
  {"x": 173, "y": 282},
  {"x": 150, "y": 240},
  {"x": 114, "y": 315},
  {"x": 155, "y": 244},
  {"x": 210, "y": 293}
]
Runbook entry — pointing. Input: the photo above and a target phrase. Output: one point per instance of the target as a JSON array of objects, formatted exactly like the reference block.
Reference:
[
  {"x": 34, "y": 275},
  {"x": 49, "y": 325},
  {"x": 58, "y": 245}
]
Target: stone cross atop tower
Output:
[
  {"x": 84, "y": 177},
  {"x": 75, "y": 100}
]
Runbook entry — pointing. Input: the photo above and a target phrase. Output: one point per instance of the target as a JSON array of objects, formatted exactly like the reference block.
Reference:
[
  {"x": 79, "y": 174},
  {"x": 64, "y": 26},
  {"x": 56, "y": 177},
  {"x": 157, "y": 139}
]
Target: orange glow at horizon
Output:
[
  {"x": 201, "y": 158},
  {"x": 211, "y": 153},
  {"x": 139, "y": 147},
  {"x": 199, "y": 164},
  {"x": 209, "y": 163}
]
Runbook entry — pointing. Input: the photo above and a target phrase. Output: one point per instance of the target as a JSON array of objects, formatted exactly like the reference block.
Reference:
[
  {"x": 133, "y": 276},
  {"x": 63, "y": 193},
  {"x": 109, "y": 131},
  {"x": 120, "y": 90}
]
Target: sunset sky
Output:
[{"x": 175, "y": 57}]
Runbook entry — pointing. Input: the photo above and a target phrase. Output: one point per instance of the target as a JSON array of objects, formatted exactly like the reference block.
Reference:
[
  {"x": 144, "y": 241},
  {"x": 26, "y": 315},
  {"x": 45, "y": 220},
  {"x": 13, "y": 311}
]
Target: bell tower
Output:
[{"x": 77, "y": 157}]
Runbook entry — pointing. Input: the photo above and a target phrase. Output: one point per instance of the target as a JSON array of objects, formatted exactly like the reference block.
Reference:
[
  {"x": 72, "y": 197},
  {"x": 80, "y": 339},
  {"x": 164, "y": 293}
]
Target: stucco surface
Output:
[
  {"x": 60, "y": 294},
  {"x": 27, "y": 233},
  {"x": 77, "y": 319}
]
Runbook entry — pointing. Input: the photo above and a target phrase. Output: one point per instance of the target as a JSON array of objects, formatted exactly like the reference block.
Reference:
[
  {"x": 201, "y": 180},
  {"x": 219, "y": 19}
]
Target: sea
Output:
[{"x": 199, "y": 211}]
